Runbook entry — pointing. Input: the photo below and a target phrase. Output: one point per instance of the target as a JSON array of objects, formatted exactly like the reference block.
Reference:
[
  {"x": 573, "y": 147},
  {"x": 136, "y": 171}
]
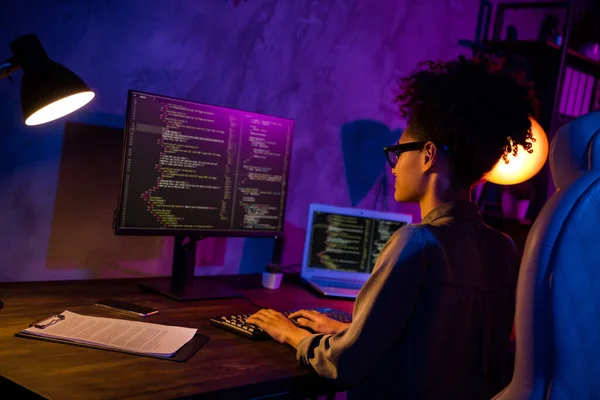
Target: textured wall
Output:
[{"x": 329, "y": 64}]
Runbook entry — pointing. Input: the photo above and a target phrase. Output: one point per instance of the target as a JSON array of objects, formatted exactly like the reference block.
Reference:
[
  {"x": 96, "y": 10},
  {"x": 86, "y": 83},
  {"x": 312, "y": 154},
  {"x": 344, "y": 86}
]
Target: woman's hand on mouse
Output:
[{"x": 318, "y": 322}]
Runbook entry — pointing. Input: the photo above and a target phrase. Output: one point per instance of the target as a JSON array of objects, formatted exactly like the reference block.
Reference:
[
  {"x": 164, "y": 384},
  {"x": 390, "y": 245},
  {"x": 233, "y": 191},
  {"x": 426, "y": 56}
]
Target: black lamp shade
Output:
[{"x": 46, "y": 83}]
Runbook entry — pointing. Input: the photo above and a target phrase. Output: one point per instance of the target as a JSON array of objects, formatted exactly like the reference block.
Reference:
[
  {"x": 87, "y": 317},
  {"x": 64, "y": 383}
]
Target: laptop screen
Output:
[{"x": 349, "y": 240}]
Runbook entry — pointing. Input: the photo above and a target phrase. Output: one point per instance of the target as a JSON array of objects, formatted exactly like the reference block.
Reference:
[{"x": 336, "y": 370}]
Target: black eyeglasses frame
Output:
[{"x": 400, "y": 148}]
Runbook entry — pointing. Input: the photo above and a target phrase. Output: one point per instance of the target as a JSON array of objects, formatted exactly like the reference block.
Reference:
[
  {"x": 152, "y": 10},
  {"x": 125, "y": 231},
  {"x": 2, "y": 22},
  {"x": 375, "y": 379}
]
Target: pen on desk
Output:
[{"x": 125, "y": 308}]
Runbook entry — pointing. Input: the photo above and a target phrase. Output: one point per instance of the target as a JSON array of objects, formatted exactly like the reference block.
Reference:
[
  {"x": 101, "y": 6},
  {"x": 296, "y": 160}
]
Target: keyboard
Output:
[
  {"x": 338, "y": 284},
  {"x": 237, "y": 323}
]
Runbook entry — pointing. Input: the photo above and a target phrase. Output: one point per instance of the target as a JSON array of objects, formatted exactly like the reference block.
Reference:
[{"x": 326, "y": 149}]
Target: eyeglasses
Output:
[{"x": 393, "y": 152}]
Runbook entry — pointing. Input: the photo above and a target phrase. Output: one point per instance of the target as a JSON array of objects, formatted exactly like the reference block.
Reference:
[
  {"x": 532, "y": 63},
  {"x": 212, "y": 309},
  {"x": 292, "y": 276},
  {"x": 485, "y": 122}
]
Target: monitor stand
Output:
[{"x": 184, "y": 286}]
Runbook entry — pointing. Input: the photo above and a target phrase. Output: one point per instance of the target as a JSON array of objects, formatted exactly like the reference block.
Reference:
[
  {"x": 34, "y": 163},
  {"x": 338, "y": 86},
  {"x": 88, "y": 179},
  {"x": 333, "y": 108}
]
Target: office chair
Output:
[{"x": 557, "y": 320}]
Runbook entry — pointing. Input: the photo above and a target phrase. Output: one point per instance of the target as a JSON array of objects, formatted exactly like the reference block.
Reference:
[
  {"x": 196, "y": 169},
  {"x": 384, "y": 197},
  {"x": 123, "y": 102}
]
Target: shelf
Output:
[{"x": 536, "y": 51}]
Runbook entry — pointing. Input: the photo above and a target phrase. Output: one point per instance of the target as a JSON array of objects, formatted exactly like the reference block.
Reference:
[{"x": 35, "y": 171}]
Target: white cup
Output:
[{"x": 270, "y": 280}]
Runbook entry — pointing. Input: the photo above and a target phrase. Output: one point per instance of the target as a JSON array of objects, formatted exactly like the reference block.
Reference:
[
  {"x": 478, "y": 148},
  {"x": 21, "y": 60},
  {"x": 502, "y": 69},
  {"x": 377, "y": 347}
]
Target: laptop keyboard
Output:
[{"x": 337, "y": 284}]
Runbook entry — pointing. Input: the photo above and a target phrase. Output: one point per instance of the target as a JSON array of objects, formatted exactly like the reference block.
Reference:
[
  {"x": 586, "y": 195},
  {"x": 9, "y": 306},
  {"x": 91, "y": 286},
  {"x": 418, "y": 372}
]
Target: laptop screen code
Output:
[{"x": 348, "y": 243}]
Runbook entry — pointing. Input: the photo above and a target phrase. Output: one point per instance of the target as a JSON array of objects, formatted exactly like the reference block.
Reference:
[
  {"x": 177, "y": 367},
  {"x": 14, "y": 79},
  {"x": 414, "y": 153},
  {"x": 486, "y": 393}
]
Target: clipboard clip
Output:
[{"x": 48, "y": 321}]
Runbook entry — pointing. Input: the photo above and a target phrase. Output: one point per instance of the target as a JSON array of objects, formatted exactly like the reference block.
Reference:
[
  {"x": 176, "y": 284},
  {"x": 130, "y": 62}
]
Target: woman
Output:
[{"x": 434, "y": 319}]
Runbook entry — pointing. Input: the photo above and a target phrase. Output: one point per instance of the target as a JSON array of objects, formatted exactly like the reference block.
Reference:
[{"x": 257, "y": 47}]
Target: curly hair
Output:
[{"x": 473, "y": 106}]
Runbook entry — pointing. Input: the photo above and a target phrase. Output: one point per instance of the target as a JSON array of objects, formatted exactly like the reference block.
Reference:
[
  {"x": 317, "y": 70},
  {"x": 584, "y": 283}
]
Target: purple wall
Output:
[{"x": 329, "y": 64}]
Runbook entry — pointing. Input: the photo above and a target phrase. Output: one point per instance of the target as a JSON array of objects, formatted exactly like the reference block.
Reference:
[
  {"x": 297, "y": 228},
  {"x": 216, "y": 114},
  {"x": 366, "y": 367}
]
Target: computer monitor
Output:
[
  {"x": 344, "y": 243},
  {"x": 192, "y": 170}
]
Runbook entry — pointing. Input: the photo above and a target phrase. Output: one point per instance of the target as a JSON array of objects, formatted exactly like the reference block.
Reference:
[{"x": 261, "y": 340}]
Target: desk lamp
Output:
[
  {"x": 524, "y": 165},
  {"x": 519, "y": 168},
  {"x": 48, "y": 90}
]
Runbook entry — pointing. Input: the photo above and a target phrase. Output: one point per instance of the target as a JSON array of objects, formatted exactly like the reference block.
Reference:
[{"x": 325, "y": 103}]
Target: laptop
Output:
[{"x": 342, "y": 245}]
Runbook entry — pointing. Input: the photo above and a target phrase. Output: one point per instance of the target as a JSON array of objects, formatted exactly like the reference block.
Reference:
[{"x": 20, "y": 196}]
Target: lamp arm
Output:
[{"x": 8, "y": 67}]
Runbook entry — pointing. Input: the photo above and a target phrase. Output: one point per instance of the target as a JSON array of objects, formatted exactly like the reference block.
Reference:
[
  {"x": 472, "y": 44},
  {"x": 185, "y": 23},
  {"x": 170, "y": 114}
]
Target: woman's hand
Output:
[
  {"x": 318, "y": 322},
  {"x": 278, "y": 326}
]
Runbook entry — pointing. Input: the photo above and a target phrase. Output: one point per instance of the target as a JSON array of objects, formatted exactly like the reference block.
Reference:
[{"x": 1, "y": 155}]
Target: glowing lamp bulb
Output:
[
  {"x": 524, "y": 165},
  {"x": 60, "y": 108}
]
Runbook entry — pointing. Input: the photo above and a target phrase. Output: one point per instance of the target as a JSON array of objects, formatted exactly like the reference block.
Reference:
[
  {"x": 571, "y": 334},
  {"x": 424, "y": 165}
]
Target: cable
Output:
[
  {"x": 291, "y": 265},
  {"x": 254, "y": 304},
  {"x": 289, "y": 269}
]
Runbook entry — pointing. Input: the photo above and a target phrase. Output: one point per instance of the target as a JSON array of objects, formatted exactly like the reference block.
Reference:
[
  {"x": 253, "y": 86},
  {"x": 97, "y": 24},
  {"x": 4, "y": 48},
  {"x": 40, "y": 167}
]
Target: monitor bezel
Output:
[
  {"x": 309, "y": 272},
  {"x": 137, "y": 231}
]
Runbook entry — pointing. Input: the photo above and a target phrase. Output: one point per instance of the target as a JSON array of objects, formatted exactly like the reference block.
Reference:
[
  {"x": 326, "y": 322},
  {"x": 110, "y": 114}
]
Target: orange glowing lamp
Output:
[{"x": 524, "y": 165}]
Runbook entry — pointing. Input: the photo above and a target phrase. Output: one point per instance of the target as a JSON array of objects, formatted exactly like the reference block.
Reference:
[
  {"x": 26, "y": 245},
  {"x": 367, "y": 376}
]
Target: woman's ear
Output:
[{"x": 429, "y": 156}]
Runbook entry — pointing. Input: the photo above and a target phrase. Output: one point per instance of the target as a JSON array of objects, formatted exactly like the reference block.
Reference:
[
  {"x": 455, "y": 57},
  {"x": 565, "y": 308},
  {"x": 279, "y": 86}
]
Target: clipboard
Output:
[{"x": 182, "y": 355}]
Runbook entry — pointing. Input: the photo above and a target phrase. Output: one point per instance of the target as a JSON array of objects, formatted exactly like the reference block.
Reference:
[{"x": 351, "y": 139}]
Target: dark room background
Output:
[{"x": 331, "y": 65}]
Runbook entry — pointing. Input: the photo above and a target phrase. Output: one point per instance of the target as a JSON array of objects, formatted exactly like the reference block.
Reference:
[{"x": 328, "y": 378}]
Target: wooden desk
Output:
[{"x": 228, "y": 366}]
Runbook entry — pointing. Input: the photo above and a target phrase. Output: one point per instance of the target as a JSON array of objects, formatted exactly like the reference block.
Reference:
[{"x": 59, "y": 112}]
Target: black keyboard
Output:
[
  {"x": 237, "y": 323},
  {"x": 338, "y": 284}
]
